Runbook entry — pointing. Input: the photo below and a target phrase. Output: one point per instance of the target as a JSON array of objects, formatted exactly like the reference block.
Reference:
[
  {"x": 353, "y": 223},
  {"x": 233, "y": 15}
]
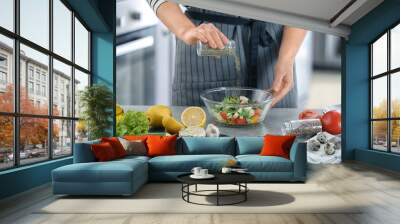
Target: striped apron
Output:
[{"x": 257, "y": 45}]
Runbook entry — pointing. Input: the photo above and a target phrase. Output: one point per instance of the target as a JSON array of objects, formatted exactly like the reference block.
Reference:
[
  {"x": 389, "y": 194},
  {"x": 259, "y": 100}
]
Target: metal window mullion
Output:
[
  {"x": 73, "y": 82},
  {"x": 16, "y": 69},
  {"x": 50, "y": 81},
  {"x": 16, "y": 84},
  {"x": 389, "y": 100},
  {"x": 371, "y": 111}
]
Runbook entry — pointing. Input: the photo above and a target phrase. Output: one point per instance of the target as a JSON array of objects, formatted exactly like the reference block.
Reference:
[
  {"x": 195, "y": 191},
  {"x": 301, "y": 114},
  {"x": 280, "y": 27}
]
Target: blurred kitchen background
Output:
[{"x": 145, "y": 59}]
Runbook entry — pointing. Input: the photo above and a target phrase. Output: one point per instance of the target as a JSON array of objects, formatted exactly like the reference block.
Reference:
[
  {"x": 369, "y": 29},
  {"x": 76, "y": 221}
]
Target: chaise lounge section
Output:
[{"x": 125, "y": 176}]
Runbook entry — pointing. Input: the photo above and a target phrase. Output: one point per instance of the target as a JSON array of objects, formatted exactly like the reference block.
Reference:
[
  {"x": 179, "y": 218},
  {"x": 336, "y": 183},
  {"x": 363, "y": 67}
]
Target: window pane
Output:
[
  {"x": 34, "y": 72},
  {"x": 35, "y": 21},
  {"x": 33, "y": 140},
  {"x": 81, "y": 132},
  {"x": 395, "y": 47},
  {"x": 6, "y": 74},
  {"x": 379, "y": 97},
  {"x": 7, "y": 14},
  {"x": 81, "y": 45},
  {"x": 62, "y": 29},
  {"x": 395, "y": 94},
  {"x": 395, "y": 136},
  {"x": 62, "y": 89},
  {"x": 81, "y": 81},
  {"x": 379, "y": 56},
  {"x": 6, "y": 142},
  {"x": 62, "y": 138},
  {"x": 379, "y": 135}
]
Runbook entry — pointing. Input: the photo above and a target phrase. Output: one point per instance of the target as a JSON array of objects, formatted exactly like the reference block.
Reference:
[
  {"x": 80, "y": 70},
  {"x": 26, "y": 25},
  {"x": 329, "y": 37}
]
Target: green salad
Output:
[{"x": 237, "y": 110}]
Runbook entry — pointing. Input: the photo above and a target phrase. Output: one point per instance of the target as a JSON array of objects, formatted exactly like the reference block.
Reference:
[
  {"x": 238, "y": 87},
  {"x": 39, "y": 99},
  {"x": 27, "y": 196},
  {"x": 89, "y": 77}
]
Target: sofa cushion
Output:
[
  {"x": 277, "y": 145},
  {"x": 103, "y": 152},
  {"x": 116, "y": 145},
  {"x": 257, "y": 163},
  {"x": 161, "y": 145},
  {"x": 112, "y": 171},
  {"x": 208, "y": 145},
  {"x": 136, "y": 147},
  {"x": 249, "y": 145},
  {"x": 185, "y": 163}
]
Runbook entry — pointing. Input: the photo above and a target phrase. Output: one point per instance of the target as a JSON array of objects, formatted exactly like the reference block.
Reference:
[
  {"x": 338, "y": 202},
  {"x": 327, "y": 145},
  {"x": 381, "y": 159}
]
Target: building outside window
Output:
[
  {"x": 56, "y": 127},
  {"x": 385, "y": 94},
  {"x": 30, "y": 72},
  {"x": 38, "y": 89},
  {"x": 30, "y": 87},
  {"x": 3, "y": 78},
  {"x": 43, "y": 90}
]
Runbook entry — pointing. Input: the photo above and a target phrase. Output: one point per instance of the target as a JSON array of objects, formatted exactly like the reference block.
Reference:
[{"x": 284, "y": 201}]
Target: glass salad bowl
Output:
[{"x": 236, "y": 106}]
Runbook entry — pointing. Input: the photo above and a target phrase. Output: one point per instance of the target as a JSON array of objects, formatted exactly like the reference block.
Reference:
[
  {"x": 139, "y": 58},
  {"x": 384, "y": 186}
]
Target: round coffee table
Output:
[{"x": 238, "y": 179}]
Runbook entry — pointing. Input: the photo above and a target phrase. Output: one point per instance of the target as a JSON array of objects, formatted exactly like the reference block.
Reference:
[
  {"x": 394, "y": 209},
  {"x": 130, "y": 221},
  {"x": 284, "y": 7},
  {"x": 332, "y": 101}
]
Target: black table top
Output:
[{"x": 220, "y": 178}]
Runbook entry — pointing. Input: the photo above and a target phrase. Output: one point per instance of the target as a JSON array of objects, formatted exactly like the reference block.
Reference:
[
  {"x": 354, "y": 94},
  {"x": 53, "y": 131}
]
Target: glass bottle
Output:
[{"x": 205, "y": 50}]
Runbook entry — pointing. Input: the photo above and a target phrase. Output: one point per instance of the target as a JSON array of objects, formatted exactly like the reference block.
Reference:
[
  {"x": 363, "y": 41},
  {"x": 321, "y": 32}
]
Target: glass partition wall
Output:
[
  {"x": 385, "y": 91},
  {"x": 44, "y": 64}
]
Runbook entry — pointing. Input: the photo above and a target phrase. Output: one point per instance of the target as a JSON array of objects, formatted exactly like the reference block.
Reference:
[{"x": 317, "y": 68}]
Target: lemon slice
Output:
[{"x": 193, "y": 117}]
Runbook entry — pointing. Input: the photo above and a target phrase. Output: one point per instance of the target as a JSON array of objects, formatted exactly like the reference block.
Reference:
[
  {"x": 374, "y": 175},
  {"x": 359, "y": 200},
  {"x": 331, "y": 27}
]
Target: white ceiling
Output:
[{"x": 327, "y": 16}]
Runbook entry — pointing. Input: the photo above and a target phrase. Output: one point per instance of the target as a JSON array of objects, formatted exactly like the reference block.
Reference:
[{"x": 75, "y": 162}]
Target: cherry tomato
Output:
[
  {"x": 240, "y": 121},
  {"x": 223, "y": 115},
  {"x": 258, "y": 111},
  {"x": 309, "y": 114},
  {"x": 332, "y": 122}
]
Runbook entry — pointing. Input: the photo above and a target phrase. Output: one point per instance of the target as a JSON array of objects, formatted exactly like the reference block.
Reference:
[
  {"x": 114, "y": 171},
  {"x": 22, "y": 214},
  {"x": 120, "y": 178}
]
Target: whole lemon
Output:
[
  {"x": 156, "y": 114},
  {"x": 171, "y": 125},
  {"x": 119, "y": 110}
]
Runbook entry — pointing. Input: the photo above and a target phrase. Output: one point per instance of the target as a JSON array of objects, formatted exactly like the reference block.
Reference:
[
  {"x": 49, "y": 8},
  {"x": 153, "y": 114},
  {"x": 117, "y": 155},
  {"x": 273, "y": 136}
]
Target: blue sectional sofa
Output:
[{"x": 125, "y": 176}]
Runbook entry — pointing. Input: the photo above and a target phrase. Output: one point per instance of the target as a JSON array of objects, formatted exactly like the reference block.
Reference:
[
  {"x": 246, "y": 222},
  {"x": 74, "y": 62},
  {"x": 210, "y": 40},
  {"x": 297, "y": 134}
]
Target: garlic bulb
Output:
[
  {"x": 212, "y": 131},
  {"x": 192, "y": 132}
]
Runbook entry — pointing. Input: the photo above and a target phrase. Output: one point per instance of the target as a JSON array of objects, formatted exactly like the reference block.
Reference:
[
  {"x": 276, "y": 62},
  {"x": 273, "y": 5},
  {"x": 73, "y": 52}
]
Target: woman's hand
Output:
[
  {"x": 283, "y": 80},
  {"x": 206, "y": 33}
]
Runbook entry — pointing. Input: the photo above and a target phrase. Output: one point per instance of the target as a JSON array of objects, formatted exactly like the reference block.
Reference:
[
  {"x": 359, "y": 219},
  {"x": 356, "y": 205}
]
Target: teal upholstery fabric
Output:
[
  {"x": 126, "y": 175},
  {"x": 208, "y": 145},
  {"x": 119, "y": 177},
  {"x": 185, "y": 163},
  {"x": 83, "y": 152},
  {"x": 249, "y": 145},
  {"x": 298, "y": 155},
  {"x": 257, "y": 163}
]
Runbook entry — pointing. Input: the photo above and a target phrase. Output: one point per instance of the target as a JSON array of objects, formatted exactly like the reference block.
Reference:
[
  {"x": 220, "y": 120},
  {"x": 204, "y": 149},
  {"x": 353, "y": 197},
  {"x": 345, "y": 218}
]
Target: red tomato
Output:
[
  {"x": 332, "y": 122},
  {"x": 309, "y": 114},
  {"x": 223, "y": 115},
  {"x": 258, "y": 111},
  {"x": 240, "y": 121}
]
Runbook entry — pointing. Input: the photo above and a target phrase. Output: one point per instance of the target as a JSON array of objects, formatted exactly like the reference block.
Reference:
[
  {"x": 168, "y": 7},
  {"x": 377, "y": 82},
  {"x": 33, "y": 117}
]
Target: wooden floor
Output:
[{"x": 377, "y": 188}]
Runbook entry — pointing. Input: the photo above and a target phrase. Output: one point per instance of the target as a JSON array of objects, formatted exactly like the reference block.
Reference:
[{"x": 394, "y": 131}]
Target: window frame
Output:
[
  {"x": 388, "y": 74},
  {"x": 16, "y": 114}
]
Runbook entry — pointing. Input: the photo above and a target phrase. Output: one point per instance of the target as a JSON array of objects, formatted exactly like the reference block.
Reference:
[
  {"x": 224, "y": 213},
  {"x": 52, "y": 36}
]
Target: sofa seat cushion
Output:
[
  {"x": 185, "y": 163},
  {"x": 113, "y": 171},
  {"x": 257, "y": 163}
]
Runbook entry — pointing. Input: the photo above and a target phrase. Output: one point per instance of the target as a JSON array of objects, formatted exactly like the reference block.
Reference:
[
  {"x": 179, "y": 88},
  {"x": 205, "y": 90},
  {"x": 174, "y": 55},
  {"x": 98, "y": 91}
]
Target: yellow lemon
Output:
[
  {"x": 119, "y": 117},
  {"x": 194, "y": 117},
  {"x": 171, "y": 125},
  {"x": 156, "y": 114},
  {"x": 119, "y": 110}
]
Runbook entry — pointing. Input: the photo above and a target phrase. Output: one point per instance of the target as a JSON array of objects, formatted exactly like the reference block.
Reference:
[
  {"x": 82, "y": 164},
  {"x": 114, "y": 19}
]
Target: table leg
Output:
[
  {"x": 195, "y": 188},
  {"x": 245, "y": 193},
  {"x": 217, "y": 194}
]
